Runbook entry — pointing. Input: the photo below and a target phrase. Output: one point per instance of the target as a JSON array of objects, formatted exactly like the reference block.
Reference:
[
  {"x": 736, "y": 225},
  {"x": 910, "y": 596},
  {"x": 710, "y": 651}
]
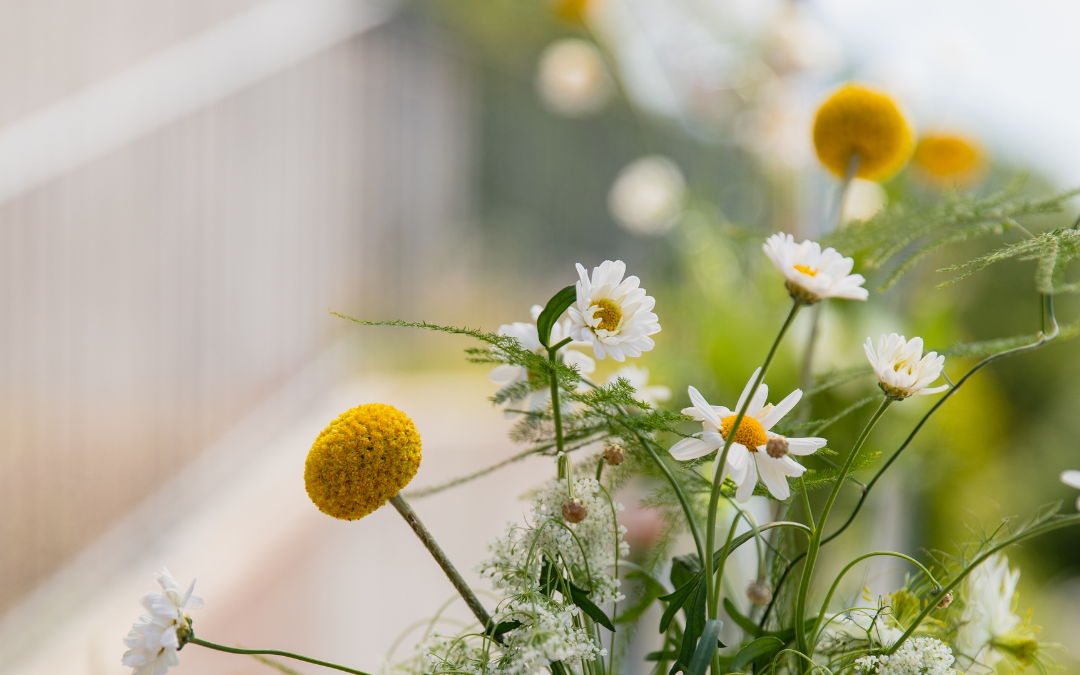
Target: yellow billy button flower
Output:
[
  {"x": 857, "y": 121},
  {"x": 755, "y": 450},
  {"x": 810, "y": 274},
  {"x": 948, "y": 159},
  {"x": 902, "y": 369},
  {"x": 365, "y": 457}
]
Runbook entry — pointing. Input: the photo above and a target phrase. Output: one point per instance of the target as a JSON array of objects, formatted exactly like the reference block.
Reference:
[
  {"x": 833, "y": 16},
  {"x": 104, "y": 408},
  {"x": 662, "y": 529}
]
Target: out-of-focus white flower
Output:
[
  {"x": 165, "y": 628},
  {"x": 858, "y": 625},
  {"x": 509, "y": 374},
  {"x": 639, "y": 380},
  {"x": 901, "y": 368},
  {"x": 988, "y": 619},
  {"x": 862, "y": 200},
  {"x": 812, "y": 274},
  {"x": 647, "y": 196},
  {"x": 917, "y": 656},
  {"x": 571, "y": 78},
  {"x": 754, "y": 451},
  {"x": 798, "y": 42},
  {"x": 613, "y": 313},
  {"x": 1072, "y": 479}
]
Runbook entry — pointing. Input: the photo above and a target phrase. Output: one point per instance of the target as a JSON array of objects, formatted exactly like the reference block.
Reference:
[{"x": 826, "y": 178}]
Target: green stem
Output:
[
  {"x": 273, "y": 652},
  {"x": 815, "y": 538},
  {"x": 687, "y": 511},
  {"x": 556, "y": 413},
  {"x": 440, "y": 557},
  {"x": 721, "y": 462}
]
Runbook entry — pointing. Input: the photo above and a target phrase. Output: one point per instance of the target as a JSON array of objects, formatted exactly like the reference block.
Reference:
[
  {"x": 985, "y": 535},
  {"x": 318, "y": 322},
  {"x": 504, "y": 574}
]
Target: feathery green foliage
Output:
[
  {"x": 1052, "y": 251},
  {"x": 914, "y": 232}
]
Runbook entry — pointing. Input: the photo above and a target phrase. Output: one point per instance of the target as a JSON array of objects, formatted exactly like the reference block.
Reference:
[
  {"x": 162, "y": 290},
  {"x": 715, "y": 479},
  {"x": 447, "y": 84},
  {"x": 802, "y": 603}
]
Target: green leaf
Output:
[
  {"x": 695, "y": 625},
  {"x": 1053, "y": 251},
  {"x": 557, "y": 668},
  {"x": 683, "y": 569},
  {"x": 661, "y": 656},
  {"x": 760, "y": 649},
  {"x": 549, "y": 578},
  {"x": 706, "y": 647},
  {"x": 675, "y": 602},
  {"x": 554, "y": 309},
  {"x": 580, "y": 597},
  {"x": 503, "y": 627},
  {"x": 741, "y": 621}
]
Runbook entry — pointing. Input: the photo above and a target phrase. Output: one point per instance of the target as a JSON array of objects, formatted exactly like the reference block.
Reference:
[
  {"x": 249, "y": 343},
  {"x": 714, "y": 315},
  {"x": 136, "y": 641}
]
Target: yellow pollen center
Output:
[
  {"x": 806, "y": 270},
  {"x": 609, "y": 313},
  {"x": 750, "y": 434}
]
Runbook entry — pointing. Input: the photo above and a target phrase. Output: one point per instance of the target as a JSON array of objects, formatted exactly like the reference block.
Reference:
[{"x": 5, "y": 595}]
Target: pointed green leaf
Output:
[
  {"x": 695, "y": 624},
  {"x": 675, "y": 602},
  {"x": 706, "y": 647},
  {"x": 741, "y": 621},
  {"x": 554, "y": 309},
  {"x": 580, "y": 598},
  {"x": 761, "y": 648}
]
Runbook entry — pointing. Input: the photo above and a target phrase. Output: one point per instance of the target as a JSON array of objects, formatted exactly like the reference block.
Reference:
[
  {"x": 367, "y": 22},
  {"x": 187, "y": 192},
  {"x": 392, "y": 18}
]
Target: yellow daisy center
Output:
[
  {"x": 807, "y": 270},
  {"x": 750, "y": 433},
  {"x": 609, "y": 313}
]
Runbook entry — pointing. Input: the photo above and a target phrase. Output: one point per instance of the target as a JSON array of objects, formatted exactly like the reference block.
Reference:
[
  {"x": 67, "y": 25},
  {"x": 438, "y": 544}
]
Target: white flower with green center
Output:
[
  {"x": 755, "y": 451},
  {"x": 917, "y": 656},
  {"x": 1072, "y": 479},
  {"x": 901, "y": 368},
  {"x": 810, "y": 274},
  {"x": 639, "y": 380},
  {"x": 157, "y": 636},
  {"x": 509, "y": 374},
  {"x": 988, "y": 627},
  {"x": 612, "y": 313}
]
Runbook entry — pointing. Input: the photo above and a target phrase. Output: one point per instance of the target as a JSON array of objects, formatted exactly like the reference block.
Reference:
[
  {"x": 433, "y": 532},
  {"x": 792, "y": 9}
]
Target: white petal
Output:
[
  {"x": 782, "y": 408},
  {"x": 805, "y": 446},
  {"x": 707, "y": 413},
  {"x": 746, "y": 390},
  {"x": 690, "y": 448},
  {"x": 748, "y": 483},
  {"x": 1071, "y": 478},
  {"x": 772, "y": 477}
]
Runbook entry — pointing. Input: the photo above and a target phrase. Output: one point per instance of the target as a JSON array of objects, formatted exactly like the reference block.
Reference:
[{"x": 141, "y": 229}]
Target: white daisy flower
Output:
[
  {"x": 901, "y": 368},
  {"x": 509, "y": 374},
  {"x": 639, "y": 380},
  {"x": 755, "y": 451},
  {"x": 1072, "y": 479},
  {"x": 988, "y": 626},
  {"x": 157, "y": 636},
  {"x": 812, "y": 274},
  {"x": 612, "y": 313}
]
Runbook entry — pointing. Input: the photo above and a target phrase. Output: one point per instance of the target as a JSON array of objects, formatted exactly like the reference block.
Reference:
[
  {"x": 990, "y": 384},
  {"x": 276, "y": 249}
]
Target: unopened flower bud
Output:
[
  {"x": 777, "y": 447},
  {"x": 759, "y": 593},
  {"x": 574, "y": 510},
  {"x": 946, "y": 601},
  {"x": 614, "y": 455}
]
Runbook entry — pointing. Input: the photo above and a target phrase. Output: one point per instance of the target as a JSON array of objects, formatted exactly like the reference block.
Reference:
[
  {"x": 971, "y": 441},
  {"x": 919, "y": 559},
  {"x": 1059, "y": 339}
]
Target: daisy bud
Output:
[
  {"x": 902, "y": 369},
  {"x": 946, "y": 601},
  {"x": 759, "y": 593},
  {"x": 365, "y": 457},
  {"x": 614, "y": 455},
  {"x": 777, "y": 447},
  {"x": 574, "y": 511}
]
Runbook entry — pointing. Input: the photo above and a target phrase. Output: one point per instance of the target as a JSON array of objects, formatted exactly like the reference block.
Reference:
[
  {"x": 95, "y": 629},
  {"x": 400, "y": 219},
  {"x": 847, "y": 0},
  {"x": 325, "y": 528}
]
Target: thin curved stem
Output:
[
  {"x": 556, "y": 413},
  {"x": 828, "y": 598},
  {"x": 273, "y": 652},
  {"x": 815, "y": 539},
  {"x": 683, "y": 501},
  {"x": 721, "y": 461}
]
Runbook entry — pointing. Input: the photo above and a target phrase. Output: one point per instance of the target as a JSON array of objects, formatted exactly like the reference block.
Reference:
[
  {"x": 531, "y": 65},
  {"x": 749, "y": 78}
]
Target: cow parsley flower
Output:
[
  {"x": 917, "y": 656},
  {"x": 902, "y": 369},
  {"x": 510, "y": 375},
  {"x": 810, "y": 274},
  {"x": 613, "y": 313},
  {"x": 988, "y": 627},
  {"x": 873, "y": 625},
  {"x": 639, "y": 380},
  {"x": 590, "y": 545},
  {"x": 1072, "y": 479},
  {"x": 548, "y": 632},
  {"x": 755, "y": 451},
  {"x": 158, "y": 635}
]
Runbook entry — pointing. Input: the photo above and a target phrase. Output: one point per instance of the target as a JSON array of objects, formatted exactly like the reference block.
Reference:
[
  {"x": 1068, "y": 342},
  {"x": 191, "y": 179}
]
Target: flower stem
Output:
[
  {"x": 815, "y": 539},
  {"x": 440, "y": 557},
  {"x": 273, "y": 652},
  {"x": 556, "y": 413},
  {"x": 721, "y": 462}
]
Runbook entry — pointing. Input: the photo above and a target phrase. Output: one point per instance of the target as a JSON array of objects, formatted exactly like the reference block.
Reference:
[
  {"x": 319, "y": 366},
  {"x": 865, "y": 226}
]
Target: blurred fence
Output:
[{"x": 152, "y": 295}]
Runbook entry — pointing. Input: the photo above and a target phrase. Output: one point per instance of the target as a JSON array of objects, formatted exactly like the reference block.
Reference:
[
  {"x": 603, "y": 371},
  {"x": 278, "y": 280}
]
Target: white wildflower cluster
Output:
[
  {"x": 165, "y": 628},
  {"x": 875, "y": 627},
  {"x": 438, "y": 654},
  {"x": 549, "y": 632},
  {"x": 917, "y": 656},
  {"x": 587, "y": 548}
]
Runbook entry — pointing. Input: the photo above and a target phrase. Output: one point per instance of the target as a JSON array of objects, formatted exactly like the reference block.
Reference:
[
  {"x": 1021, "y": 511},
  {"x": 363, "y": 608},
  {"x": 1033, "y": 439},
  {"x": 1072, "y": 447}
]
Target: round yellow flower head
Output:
[
  {"x": 948, "y": 159},
  {"x": 365, "y": 457},
  {"x": 572, "y": 11},
  {"x": 860, "y": 121}
]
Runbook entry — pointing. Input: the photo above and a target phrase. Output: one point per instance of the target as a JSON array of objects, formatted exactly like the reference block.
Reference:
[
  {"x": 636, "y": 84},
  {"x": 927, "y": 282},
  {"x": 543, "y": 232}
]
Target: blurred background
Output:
[{"x": 187, "y": 187}]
